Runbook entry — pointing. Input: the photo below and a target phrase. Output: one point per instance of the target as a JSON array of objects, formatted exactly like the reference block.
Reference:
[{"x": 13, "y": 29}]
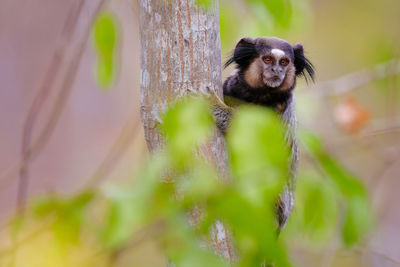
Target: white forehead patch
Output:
[{"x": 277, "y": 53}]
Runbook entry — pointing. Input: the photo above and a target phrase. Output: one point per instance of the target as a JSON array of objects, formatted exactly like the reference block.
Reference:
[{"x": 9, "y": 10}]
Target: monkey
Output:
[{"x": 265, "y": 74}]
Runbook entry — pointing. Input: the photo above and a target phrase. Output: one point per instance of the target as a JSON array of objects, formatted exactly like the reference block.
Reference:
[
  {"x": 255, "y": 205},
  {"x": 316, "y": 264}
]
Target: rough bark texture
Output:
[{"x": 180, "y": 54}]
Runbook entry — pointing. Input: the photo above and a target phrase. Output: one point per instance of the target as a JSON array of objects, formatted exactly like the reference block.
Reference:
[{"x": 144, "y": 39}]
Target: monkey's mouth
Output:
[{"x": 275, "y": 79}]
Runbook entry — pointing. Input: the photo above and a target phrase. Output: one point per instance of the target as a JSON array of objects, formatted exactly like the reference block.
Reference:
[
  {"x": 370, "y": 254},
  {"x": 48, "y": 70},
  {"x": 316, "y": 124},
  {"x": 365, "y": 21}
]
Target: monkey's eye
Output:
[
  {"x": 283, "y": 61},
  {"x": 267, "y": 60}
]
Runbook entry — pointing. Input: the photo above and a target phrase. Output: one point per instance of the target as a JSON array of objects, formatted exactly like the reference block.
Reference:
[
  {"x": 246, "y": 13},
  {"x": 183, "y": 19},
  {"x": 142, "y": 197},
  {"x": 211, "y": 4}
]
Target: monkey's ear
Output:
[
  {"x": 245, "y": 52},
  {"x": 303, "y": 65}
]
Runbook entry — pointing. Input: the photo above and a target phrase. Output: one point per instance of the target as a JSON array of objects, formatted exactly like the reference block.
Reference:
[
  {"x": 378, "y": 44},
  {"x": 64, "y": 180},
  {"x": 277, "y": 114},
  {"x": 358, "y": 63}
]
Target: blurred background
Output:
[{"x": 87, "y": 133}]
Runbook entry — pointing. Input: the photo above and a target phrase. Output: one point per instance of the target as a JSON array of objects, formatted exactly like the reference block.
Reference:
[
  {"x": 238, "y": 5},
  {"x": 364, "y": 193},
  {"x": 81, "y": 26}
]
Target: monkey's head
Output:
[{"x": 269, "y": 62}]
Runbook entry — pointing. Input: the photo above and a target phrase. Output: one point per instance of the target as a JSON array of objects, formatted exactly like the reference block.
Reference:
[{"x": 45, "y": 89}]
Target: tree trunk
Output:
[{"x": 180, "y": 53}]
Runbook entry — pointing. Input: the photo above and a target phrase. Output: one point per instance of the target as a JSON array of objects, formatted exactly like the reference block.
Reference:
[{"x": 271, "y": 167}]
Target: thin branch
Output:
[
  {"x": 9, "y": 175},
  {"x": 140, "y": 236},
  {"x": 377, "y": 183},
  {"x": 41, "y": 97},
  {"x": 33, "y": 113},
  {"x": 44, "y": 226},
  {"x": 384, "y": 130},
  {"x": 348, "y": 82},
  {"x": 28, "y": 150},
  {"x": 386, "y": 257},
  {"x": 127, "y": 135}
]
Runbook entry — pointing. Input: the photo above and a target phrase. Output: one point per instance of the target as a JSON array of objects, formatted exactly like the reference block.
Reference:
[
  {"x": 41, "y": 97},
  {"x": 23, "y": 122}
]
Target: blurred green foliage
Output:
[
  {"x": 205, "y": 3},
  {"x": 280, "y": 10},
  {"x": 357, "y": 217},
  {"x": 180, "y": 138},
  {"x": 255, "y": 18},
  {"x": 316, "y": 209},
  {"x": 105, "y": 39},
  {"x": 177, "y": 181},
  {"x": 69, "y": 214}
]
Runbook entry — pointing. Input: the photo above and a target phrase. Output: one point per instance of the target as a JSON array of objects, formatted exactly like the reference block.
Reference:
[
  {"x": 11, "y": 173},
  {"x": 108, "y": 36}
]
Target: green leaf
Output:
[
  {"x": 199, "y": 185},
  {"x": 347, "y": 183},
  {"x": 104, "y": 71},
  {"x": 258, "y": 152},
  {"x": 316, "y": 208},
  {"x": 17, "y": 224},
  {"x": 105, "y": 33},
  {"x": 357, "y": 220},
  {"x": 256, "y": 141},
  {"x": 105, "y": 40},
  {"x": 182, "y": 246},
  {"x": 69, "y": 213},
  {"x": 280, "y": 10},
  {"x": 205, "y": 3},
  {"x": 227, "y": 18},
  {"x": 253, "y": 226},
  {"x": 187, "y": 124},
  {"x": 358, "y": 211},
  {"x": 130, "y": 208},
  {"x": 122, "y": 217}
]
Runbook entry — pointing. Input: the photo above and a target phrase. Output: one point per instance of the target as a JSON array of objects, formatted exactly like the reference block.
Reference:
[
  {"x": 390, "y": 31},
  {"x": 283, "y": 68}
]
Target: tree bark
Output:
[{"x": 180, "y": 54}]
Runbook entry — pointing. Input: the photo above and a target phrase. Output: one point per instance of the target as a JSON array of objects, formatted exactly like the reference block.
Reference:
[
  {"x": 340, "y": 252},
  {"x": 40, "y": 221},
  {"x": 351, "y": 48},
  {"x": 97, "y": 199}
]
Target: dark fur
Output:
[
  {"x": 303, "y": 65},
  {"x": 236, "y": 86},
  {"x": 246, "y": 53}
]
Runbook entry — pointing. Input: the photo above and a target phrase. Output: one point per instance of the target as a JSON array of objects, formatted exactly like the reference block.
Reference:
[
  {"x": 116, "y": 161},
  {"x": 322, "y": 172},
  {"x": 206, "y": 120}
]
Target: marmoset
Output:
[{"x": 265, "y": 74}]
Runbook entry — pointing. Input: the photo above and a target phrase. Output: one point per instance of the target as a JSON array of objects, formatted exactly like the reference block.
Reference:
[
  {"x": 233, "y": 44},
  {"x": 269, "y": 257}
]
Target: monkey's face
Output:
[
  {"x": 275, "y": 67},
  {"x": 272, "y": 66}
]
